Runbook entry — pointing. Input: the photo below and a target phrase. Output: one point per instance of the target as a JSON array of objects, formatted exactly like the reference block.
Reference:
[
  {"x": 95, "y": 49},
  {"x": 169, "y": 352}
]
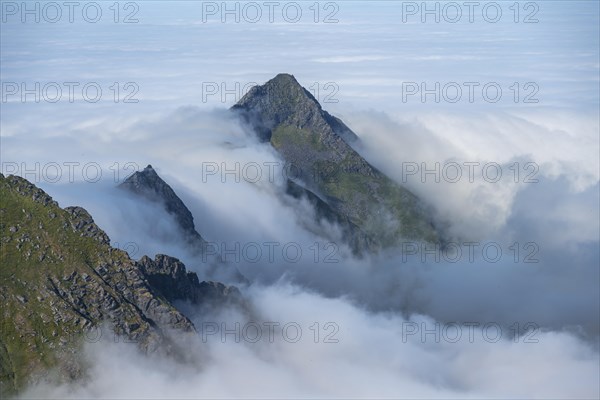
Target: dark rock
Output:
[
  {"x": 148, "y": 184},
  {"x": 170, "y": 278}
]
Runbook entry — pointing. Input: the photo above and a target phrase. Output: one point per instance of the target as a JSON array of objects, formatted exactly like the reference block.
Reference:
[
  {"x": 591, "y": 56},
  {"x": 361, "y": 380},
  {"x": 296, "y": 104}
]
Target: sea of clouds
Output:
[{"x": 385, "y": 325}]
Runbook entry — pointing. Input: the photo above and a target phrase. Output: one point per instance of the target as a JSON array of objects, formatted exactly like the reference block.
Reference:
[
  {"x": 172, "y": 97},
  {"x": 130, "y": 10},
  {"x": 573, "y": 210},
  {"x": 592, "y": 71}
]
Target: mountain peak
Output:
[
  {"x": 146, "y": 175},
  {"x": 287, "y": 85},
  {"x": 283, "y": 92},
  {"x": 282, "y": 100},
  {"x": 151, "y": 186},
  {"x": 284, "y": 80},
  {"x": 318, "y": 144},
  {"x": 285, "y": 77}
]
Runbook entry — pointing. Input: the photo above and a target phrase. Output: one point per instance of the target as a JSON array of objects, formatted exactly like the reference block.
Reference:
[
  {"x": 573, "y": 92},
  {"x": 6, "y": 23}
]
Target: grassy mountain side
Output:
[{"x": 59, "y": 278}]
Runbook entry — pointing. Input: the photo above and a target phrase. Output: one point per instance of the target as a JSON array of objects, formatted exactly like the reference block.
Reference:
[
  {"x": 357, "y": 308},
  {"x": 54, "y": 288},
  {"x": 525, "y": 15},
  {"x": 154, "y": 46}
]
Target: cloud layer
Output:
[{"x": 376, "y": 302}]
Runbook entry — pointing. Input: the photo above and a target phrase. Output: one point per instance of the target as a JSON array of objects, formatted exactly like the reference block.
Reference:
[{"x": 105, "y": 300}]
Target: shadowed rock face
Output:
[
  {"x": 148, "y": 184},
  {"x": 60, "y": 278},
  {"x": 169, "y": 276},
  {"x": 285, "y": 114}
]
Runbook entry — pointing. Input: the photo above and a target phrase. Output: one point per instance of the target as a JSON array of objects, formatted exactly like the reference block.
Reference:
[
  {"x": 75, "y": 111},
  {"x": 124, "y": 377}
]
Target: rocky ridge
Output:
[{"x": 60, "y": 278}]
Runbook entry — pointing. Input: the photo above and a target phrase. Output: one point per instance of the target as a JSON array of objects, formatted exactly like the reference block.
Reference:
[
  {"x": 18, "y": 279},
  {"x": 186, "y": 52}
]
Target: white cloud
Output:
[
  {"x": 350, "y": 59},
  {"x": 370, "y": 299},
  {"x": 376, "y": 355}
]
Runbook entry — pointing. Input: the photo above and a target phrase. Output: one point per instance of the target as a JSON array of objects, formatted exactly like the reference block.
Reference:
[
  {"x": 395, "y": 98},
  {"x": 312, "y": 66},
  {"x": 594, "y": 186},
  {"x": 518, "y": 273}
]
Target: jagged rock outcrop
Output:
[
  {"x": 83, "y": 223},
  {"x": 285, "y": 114},
  {"x": 148, "y": 184},
  {"x": 170, "y": 278},
  {"x": 60, "y": 278}
]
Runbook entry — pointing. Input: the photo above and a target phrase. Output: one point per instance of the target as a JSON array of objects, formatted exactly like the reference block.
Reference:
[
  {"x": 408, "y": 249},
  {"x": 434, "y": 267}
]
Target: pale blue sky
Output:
[{"x": 368, "y": 53}]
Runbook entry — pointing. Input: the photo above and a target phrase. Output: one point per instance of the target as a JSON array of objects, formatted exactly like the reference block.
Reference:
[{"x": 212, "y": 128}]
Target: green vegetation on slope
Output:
[{"x": 59, "y": 278}]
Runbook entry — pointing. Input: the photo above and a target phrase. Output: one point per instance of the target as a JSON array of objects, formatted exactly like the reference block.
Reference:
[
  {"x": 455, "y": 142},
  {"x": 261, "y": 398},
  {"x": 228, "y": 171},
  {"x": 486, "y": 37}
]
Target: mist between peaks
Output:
[{"x": 278, "y": 172}]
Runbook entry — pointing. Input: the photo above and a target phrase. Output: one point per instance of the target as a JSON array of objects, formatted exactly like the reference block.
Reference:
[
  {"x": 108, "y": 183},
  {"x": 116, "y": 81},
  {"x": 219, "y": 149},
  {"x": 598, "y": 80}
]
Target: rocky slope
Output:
[
  {"x": 60, "y": 278},
  {"x": 380, "y": 211}
]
